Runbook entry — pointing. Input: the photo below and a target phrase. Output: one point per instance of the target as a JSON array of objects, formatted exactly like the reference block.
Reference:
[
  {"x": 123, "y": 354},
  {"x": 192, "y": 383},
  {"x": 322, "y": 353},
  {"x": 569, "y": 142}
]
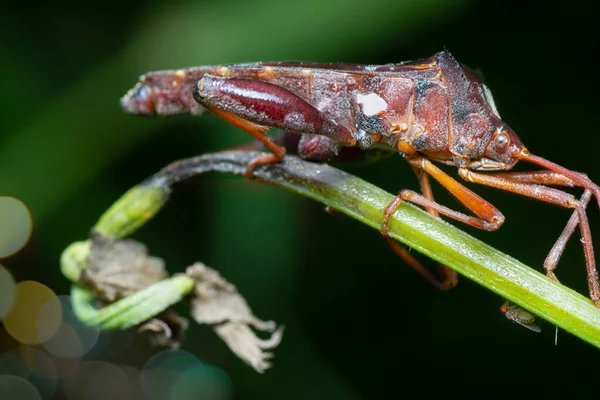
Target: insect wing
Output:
[{"x": 531, "y": 326}]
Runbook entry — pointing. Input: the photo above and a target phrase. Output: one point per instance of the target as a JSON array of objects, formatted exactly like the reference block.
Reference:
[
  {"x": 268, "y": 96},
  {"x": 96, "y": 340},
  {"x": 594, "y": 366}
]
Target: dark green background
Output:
[{"x": 360, "y": 325}]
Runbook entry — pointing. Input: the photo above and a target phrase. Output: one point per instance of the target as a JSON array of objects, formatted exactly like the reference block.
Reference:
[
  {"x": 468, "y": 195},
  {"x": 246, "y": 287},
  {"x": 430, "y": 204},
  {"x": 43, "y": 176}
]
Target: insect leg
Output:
[
  {"x": 547, "y": 177},
  {"x": 317, "y": 148},
  {"x": 314, "y": 148},
  {"x": 256, "y": 106},
  {"x": 556, "y": 197},
  {"x": 277, "y": 151},
  {"x": 487, "y": 217},
  {"x": 555, "y": 253},
  {"x": 448, "y": 276}
]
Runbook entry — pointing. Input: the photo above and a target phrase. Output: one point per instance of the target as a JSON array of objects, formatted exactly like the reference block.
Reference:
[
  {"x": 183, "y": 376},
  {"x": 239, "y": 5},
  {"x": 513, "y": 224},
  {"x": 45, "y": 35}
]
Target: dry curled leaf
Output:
[
  {"x": 246, "y": 345},
  {"x": 217, "y": 302},
  {"x": 117, "y": 268},
  {"x": 166, "y": 330}
]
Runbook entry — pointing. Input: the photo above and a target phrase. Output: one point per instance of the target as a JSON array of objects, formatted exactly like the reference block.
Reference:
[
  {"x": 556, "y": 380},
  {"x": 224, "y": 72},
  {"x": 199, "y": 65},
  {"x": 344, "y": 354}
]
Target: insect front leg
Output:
[
  {"x": 556, "y": 197},
  {"x": 555, "y": 253},
  {"x": 256, "y": 106},
  {"x": 547, "y": 177}
]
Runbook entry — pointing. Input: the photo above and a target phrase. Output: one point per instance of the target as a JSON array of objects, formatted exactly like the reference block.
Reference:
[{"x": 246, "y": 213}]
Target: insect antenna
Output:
[{"x": 576, "y": 177}]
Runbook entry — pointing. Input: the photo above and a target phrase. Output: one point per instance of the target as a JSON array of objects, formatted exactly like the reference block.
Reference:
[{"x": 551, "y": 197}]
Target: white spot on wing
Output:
[{"x": 372, "y": 104}]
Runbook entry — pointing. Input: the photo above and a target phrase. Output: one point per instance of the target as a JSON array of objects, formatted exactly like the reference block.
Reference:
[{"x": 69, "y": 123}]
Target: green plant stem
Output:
[
  {"x": 410, "y": 225},
  {"x": 415, "y": 228},
  {"x": 131, "y": 310}
]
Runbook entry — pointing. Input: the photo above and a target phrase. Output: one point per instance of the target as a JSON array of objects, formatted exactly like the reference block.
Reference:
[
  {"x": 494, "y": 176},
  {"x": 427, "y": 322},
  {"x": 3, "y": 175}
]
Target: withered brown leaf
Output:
[{"x": 217, "y": 302}]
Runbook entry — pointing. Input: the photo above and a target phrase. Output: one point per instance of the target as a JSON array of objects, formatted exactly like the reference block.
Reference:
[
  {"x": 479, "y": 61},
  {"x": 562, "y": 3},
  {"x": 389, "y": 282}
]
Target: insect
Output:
[
  {"x": 430, "y": 110},
  {"x": 522, "y": 317}
]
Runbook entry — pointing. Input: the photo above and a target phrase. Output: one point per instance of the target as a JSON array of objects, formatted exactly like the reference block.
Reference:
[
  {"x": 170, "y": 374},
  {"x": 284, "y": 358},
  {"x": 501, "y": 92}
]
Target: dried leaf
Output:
[
  {"x": 246, "y": 345},
  {"x": 215, "y": 301},
  {"x": 166, "y": 330},
  {"x": 117, "y": 268}
]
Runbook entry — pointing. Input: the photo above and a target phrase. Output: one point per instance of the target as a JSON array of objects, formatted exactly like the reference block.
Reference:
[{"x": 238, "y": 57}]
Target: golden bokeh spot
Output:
[
  {"x": 36, "y": 314},
  {"x": 15, "y": 221}
]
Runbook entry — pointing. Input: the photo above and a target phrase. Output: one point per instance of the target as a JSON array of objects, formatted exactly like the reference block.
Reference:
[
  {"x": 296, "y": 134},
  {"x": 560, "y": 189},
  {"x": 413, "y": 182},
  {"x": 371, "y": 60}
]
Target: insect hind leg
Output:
[
  {"x": 255, "y": 106},
  {"x": 277, "y": 151}
]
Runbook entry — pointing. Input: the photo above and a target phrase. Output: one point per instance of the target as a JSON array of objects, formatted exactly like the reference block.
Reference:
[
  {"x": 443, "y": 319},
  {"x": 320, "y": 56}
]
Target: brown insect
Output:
[
  {"x": 520, "y": 316},
  {"x": 428, "y": 110}
]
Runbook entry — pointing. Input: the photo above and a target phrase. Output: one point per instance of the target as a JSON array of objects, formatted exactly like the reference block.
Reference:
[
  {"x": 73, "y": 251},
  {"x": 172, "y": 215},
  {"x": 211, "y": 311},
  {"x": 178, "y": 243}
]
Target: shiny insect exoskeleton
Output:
[{"x": 431, "y": 110}]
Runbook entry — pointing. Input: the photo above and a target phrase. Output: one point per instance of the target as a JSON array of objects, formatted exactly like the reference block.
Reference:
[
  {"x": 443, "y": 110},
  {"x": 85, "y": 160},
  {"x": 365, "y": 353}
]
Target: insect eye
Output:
[{"x": 501, "y": 142}]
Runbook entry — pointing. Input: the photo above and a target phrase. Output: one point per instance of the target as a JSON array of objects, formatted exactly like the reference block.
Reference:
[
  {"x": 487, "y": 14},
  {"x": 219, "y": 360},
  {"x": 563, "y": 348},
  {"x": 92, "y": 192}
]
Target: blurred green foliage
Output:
[{"x": 359, "y": 323}]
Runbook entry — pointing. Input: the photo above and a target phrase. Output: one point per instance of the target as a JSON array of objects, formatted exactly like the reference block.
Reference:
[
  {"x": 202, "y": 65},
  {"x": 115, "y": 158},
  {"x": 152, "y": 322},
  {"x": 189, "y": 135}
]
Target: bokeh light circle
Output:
[
  {"x": 43, "y": 371},
  {"x": 99, "y": 380},
  {"x": 72, "y": 339},
  {"x": 65, "y": 367},
  {"x": 202, "y": 382},
  {"x": 65, "y": 343},
  {"x": 106, "y": 381},
  {"x": 133, "y": 376},
  {"x": 15, "y": 221},
  {"x": 15, "y": 387},
  {"x": 12, "y": 364},
  {"x": 36, "y": 314},
  {"x": 7, "y": 291},
  {"x": 112, "y": 344},
  {"x": 162, "y": 370}
]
